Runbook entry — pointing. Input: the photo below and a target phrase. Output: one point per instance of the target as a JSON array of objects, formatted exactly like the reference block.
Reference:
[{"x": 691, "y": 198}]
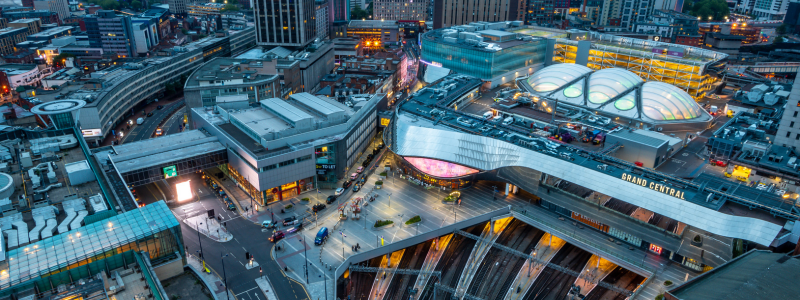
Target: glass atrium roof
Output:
[
  {"x": 658, "y": 102},
  {"x": 51, "y": 254},
  {"x": 552, "y": 77}
]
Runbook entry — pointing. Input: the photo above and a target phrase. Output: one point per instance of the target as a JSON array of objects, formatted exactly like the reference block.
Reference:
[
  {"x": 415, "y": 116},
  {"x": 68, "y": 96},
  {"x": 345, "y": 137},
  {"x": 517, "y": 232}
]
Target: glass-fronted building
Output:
[
  {"x": 105, "y": 244},
  {"x": 493, "y": 55}
]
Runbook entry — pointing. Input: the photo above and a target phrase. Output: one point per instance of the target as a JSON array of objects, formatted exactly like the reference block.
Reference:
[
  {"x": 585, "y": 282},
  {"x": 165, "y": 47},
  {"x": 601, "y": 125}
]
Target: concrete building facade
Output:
[
  {"x": 400, "y": 10},
  {"x": 448, "y": 13}
]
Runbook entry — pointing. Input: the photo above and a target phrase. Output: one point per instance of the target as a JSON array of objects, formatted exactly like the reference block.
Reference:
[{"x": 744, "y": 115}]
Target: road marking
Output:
[{"x": 246, "y": 291}]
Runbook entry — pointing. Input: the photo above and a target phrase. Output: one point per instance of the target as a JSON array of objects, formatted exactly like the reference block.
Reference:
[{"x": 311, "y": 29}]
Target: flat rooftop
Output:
[
  {"x": 156, "y": 151},
  {"x": 260, "y": 120}
]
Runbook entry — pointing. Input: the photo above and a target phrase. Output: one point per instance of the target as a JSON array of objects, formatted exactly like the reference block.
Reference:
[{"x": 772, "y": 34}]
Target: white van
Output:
[
  {"x": 139, "y": 121},
  {"x": 508, "y": 121},
  {"x": 497, "y": 119},
  {"x": 488, "y": 115}
]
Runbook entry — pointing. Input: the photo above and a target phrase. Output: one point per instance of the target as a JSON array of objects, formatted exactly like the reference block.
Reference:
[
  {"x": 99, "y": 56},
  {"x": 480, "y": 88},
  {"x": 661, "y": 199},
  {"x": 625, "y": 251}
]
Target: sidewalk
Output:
[
  {"x": 212, "y": 281},
  {"x": 209, "y": 227}
]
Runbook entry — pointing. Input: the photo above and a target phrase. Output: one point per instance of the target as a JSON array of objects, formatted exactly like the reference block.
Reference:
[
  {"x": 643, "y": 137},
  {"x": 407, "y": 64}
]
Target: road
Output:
[{"x": 148, "y": 128}]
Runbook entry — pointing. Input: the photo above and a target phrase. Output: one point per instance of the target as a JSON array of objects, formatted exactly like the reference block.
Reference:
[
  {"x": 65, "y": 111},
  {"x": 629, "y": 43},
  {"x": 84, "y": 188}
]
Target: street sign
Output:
[{"x": 170, "y": 172}]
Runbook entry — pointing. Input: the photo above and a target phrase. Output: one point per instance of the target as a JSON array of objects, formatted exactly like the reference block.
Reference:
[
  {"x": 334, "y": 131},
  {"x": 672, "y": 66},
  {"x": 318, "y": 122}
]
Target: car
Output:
[
  {"x": 353, "y": 176},
  {"x": 338, "y": 192},
  {"x": 331, "y": 199},
  {"x": 159, "y": 132},
  {"x": 290, "y": 221},
  {"x": 322, "y": 236},
  {"x": 268, "y": 224},
  {"x": 366, "y": 163},
  {"x": 159, "y": 107},
  {"x": 347, "y": 184},
  {"x": 356, "y": 188},
  {"x": 318, "y": 207},
  {"x": 229, "y": 204},
  {"x": 150, "y": 114},
  {"x": 359, "y": 170},
  {"x": 277, "y": 236}
]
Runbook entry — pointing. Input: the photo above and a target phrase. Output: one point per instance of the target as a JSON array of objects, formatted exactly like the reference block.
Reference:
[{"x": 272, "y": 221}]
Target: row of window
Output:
[{"x": 284, "y": 163}]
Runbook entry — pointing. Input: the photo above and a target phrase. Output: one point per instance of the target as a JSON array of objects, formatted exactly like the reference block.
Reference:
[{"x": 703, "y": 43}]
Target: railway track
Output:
[
  {"x": 449, "y": 263},
  {"x": 499, "y": 268},
  {"x": 361, "y": 283},
  {"x": 412, "y": 259},
  {"x": 554, "y": 285},
  {"x": 619, "y": 277}
]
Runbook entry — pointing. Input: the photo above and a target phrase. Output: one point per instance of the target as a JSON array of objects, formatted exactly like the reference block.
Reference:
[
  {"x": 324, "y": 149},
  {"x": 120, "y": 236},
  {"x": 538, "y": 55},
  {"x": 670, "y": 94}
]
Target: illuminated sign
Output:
[
  {"x": 91, "y": 132},
  {"x": 602, "y": 227},
  {"x": 326, "y": 166},
  {"x": 438, "y": 168},
  {"x": 655, "y": 249},
  {"x": 184, "y": 191},
  {"x": 385, "y": 121},
  {"x": 170, "y": 172},
  {"x": 658, "y": 187}
]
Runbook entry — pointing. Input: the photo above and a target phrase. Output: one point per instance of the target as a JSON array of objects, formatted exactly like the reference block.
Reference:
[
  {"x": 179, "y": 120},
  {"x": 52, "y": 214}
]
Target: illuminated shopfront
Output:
[{"x": 453, "y": 176}]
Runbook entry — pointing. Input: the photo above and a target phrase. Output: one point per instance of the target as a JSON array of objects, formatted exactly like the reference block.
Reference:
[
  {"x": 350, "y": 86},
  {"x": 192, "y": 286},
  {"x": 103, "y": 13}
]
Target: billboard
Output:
[{"x": 170, "y": 172}]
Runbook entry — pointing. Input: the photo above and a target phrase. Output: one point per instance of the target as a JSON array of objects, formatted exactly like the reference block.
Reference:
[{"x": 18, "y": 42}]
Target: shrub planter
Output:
[
  {"x": 382, "y": 224},
  {"x": 667, "y": 283},
  {"x": 288, "y": 208},
  {"x": 414, "y": 221},
  {"x": 697, "y": 241},
  {"x": 305, "y": 199}
]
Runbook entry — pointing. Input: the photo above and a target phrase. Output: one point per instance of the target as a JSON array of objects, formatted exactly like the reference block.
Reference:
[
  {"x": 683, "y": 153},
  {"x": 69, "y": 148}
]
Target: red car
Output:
[{"x": 277, "y": 236}]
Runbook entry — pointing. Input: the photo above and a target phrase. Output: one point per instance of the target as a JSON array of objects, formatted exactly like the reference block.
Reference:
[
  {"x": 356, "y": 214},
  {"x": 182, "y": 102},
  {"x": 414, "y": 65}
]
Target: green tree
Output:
[
  {"x": 357, "y": 13},
  {"x": 716, "y": 10},
  {"x": 781, "y": 29},
  {"x": 779, "y": 39},
  {"x": 230, "y": 7},
  {"x": 136, "y": 4}
]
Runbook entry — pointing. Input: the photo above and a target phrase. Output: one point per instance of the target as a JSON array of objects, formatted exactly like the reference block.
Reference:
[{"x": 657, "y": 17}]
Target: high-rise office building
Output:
[
  {"x": 448, "y": 13},
  {"x": 178, "y": 6},
  {"x": 341, "y": 10},
  {"x": 400, "y": 10},
  {"x": 789, "y": 128},
  {"x": 286, "y": 23},
  {"x": 323, "y": 18},
  {"x": 540, "y": 13},
  {"x": 112, "y": 32}
]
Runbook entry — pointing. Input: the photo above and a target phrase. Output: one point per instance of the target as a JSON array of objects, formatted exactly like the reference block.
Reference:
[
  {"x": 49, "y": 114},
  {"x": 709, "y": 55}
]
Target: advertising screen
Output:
[{"x": 438, "y": 168}]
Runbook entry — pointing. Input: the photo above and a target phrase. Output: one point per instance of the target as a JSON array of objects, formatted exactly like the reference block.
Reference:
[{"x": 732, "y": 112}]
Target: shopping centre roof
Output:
[
  {"x": 155, "y": 151},
  {"x": 615, "y": 91},
  {"x": 58, "y": 252}
]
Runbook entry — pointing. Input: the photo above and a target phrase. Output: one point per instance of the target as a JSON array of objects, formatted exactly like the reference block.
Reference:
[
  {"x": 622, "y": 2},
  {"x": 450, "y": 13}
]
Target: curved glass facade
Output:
[
  {"x": 438, "y": 168},
  {"x": 555, "y": 76},
  {"x": 609, "y": 83},
  {"x": 661, "y": 101},
  {"x": 480, "y": 62}
]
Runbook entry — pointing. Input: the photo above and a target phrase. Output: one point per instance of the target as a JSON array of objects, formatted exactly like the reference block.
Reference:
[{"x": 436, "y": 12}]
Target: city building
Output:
[
  {"x": 21, "y": 74},
  {"x": 234, "y": 20},
  {"x": 145, "y": 35},
  {"x": 323, "y": 18},
  {"x": 112, "y": 32},
  {"x": 45, "y": 16},
  {"x": 161, "y": 17},
  {"x": 671, "y": 26},
  {"x": 451, "y": 12},
  {"x": 283, "y": 148},
  {"x": 400, "y": 10},
  {"x": 724, "y": 43},
  {"x": 59, "y": 7},
  {"x": 347, "y": 47},
  {"x": 198, "y": 10},
  {"x": 10, "y": 37},
  {"x": 766, "y": 10},
  {"x": 178, "y": 6},
  {"x": 49, "y": 34},
  {"x": 374, "y": 34},
  {"x": 751, "y": 34},
  {"x": 340, "y": 10},
  {"x": 296, "y": 30},
  {"x": 588, "y": 161},
  {"x": 489, "y": 51},
  {"x": 228, "y": 81},
  {"x": 792, "y": 19},
  {"x": 788, "y": 134},
  {"x": 119, "y": 89},
  {"x": 33, "y": 25},
  {"x": 541, "y": 12},
  {"x": 754, "y": 274}
]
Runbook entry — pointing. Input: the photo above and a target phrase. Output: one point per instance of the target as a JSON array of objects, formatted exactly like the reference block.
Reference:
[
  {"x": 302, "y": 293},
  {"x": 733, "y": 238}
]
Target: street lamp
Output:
[
  {"x": 305, "y": 254},
  {"x": 225, "y": 276}
]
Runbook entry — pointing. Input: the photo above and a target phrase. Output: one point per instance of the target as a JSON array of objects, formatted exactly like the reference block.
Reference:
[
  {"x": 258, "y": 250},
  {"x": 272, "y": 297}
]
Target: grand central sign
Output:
[{"x": 654, "y": 185}]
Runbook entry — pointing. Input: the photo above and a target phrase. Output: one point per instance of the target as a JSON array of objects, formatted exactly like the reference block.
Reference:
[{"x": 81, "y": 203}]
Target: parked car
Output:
[
  {"x": 322, "y": 236},
  {"x": 318, "y": 207},
  {"x": 356, "y": 188},
  {"x": 331, "y": 198},
  {"x": 353, "y": 176},
  {"x": 277, "y": 236},
  {"x": 159, "y": 107},
  {"x": 290, "y": 221},
  {"x": 268, "y": 224},
  {"x": 150, "y": 114},
  {"x": 359, "y": 170},
  {"x": 366, "y": 163},
  {"x": 230, "y": 204},
  {"x": 338, "y": 192},
  {"x": 347, "y": 184}
]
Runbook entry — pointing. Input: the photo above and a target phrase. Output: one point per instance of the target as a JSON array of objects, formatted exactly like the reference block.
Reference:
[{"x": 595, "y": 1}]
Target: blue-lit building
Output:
[{"x": 484, "y": 50}]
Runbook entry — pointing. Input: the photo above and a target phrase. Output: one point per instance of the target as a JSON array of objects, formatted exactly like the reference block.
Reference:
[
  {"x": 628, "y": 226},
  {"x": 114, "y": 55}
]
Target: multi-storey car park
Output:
[
  {"x": 110, "y": 103},
  {"x": 447, "y": 138},
  {"x": 500, "y": 52}
]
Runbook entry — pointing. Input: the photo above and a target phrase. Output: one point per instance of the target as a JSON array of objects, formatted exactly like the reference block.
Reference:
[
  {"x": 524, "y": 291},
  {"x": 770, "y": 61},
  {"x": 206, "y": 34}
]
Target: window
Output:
[
  {"x": 286, "y": 163},
  {"x": 791, "y": 124},
  {"x": 304, "y": 158},
  {"x": 788, "y": 134},
  {"x": 267, "y": 168},
  {"x": 797, "y": 137},
  {"x": 795, "y": 114}
]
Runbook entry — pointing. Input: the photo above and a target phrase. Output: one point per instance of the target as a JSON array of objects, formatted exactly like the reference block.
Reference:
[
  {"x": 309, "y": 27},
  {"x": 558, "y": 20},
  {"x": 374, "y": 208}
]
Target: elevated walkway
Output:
[
  {"x": 490, "y": 234},
  {"x": 382, "y": 281},
  {"x": 547, "y": 247},
  {"x": 431, "y": 260}
]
